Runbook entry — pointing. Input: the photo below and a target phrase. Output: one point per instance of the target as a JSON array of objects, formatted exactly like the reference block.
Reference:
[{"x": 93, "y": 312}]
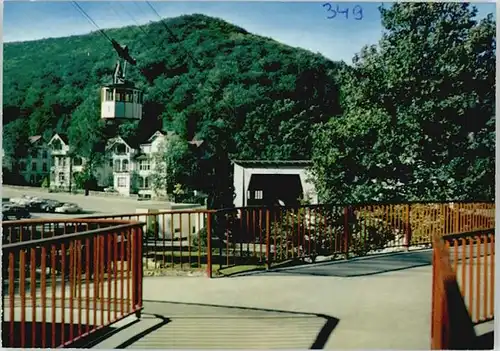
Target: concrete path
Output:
[{"x": 388, "y": 309}]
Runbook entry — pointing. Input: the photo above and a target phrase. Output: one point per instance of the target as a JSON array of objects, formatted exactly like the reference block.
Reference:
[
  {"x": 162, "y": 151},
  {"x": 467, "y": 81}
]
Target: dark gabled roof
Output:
[
  {"x": 272, "y": 163},
  {"x": 64, "y": 138},
  {"x": 133, "y": 143}
]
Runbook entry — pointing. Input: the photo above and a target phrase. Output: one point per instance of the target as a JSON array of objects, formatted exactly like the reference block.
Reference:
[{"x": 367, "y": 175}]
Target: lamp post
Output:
[{"x": 70, "y": 156}]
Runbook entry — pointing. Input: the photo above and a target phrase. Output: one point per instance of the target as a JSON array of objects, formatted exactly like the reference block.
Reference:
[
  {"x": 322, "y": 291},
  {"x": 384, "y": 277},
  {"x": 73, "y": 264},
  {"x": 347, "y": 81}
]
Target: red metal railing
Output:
[
  {"x": 472, "y": 256},
  {"x": 60, "y": 288},
  {"x": 174, "y": 240},
  {"x": 462, "y": 288},
  {"x": 258, "y": 236}
]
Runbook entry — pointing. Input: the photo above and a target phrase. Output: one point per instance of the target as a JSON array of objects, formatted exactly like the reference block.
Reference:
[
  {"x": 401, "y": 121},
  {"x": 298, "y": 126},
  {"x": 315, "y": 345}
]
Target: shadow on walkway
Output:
[
  {"x": 357, "y": 267},
  {"x": 167, "y": 325}
]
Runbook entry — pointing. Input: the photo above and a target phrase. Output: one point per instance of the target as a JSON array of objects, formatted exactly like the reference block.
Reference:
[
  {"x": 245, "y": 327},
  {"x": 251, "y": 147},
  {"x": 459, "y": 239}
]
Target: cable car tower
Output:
[{"x": 121, "y": 100}]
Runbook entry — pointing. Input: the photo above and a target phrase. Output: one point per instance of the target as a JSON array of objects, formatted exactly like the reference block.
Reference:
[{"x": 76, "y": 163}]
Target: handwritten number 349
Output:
[{"x": 357, "y": 11}]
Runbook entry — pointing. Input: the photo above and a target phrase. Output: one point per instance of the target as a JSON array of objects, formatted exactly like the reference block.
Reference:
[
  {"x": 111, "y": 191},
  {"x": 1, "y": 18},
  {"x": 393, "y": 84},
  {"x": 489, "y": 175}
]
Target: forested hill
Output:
[{"x": 261, "y": 93}]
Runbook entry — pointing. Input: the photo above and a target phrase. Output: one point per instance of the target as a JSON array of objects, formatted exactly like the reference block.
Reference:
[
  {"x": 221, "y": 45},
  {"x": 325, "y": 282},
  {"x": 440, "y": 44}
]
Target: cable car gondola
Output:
[{"x": 121, "y": 100}]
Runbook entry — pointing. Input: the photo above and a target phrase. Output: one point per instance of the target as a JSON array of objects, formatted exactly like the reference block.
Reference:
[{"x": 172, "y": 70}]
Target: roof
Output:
[
  {"x": 197, "y": 143},
  {"x": 133, "y": 143},
  {"x": 61, "y": 136},
  {"x": 129, "y": 141},
  {"x": 126, "y": 85},
  {"x": 34, "y": 138},
  {"x": 272, "y": 163}
]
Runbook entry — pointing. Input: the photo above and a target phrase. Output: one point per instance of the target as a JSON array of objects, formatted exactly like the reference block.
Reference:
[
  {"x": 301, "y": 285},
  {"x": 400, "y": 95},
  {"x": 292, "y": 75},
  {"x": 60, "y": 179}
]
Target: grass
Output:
[{"x": 232, "y": 270}]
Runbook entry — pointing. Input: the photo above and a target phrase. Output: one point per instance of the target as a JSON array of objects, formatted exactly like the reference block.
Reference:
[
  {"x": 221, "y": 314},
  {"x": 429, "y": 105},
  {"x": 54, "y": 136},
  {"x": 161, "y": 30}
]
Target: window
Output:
[
  {"x": 44, "y": 167},
  {"x": 116, "y": 168},
  {"x": 110, "y": 163},
  {"x": 259, "y": 195},
  {"x": 109, "y": 95},
  {"x": 144, "y": 165},
  {"x": 120, "y": 149},
  {"x": 57, "y": 145},
  {"x": 33, "y": 166},
  {"x": 144, "y": 182},
  {"x": 125, "y": 165},
  {"x": 122, "y": 182},
  {"x": 194, "y": 229},
  {"x": 77, "y": 161},
  {"x": 119, "y": 95},
  {"x": 128, "y": 97},
  {"x": 44, "y": 154},
  {"x": 63, "y": 162},
  {"x": 62, "y": 178}
]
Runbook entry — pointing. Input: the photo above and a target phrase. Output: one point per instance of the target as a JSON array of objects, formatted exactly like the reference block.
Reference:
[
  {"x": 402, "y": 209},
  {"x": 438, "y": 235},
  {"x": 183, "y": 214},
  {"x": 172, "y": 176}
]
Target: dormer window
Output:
[
  {"x": 120, "y": 149},
  {"x": 56, "y": 145}
]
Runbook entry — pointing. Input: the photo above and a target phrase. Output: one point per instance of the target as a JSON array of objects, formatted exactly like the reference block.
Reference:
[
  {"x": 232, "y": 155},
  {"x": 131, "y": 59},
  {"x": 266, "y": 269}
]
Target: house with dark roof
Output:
[
  {"x": 272, "y": 183},
  {"x": 36, "y": 167}
]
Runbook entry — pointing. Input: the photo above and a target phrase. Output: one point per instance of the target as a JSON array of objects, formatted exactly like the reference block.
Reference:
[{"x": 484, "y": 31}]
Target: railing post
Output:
[
  {"x": 346, "y": 232},
  {"x": 407, "y": 234},
  {"x": 268, "y": 239},
  {"x": 140, "y": 269},
  {"x": 136, "y": 268},
  {"x": 209, "y": 245}
]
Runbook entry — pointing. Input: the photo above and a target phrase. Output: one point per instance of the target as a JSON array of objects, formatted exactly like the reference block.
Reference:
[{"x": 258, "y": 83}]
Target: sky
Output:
[{"x": 298, "y": 24}]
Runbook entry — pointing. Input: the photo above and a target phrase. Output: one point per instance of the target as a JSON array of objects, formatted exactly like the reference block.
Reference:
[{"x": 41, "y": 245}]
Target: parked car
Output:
[
  {"x": 50, "y": 205},
  {"x": 26, "y": 200},
  {"x": 68, "y": 208},
  {"x": 14, "y": 211}
]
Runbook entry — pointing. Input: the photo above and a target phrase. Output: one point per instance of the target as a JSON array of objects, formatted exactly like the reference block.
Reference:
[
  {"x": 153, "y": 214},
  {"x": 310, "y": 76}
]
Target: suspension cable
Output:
[
  {"x": 82, "y": 11},
  {"x": 132, "y": 18},
  {"x": 174, "y": 37}
]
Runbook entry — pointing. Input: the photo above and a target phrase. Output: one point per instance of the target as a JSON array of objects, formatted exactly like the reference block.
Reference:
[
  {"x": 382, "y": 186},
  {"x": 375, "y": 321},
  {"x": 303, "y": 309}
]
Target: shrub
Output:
[
  {"x": 46, "y": 182},
  {"x": 200, "y": 239}
]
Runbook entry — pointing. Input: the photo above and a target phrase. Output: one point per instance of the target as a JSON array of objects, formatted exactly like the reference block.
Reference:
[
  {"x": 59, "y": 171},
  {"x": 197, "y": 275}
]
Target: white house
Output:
[
  {"x": 121, "y": 155},
  {"x": 147, "y": 163},
  {"x": 268, "y": 183},
  {"x": 65, "y": 165},
  {"x": 62, "y": 165},
  {"x": 129, "y": 166}
]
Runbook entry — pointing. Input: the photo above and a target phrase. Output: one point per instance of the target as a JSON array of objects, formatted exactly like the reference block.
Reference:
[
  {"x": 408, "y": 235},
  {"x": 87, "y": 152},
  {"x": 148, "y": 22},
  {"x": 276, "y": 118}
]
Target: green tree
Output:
[
  {"x": 419, "y": 111},
  {"x": 15, "y": 143},
  {"x": 87, "y": 133},
  {"x": 173, "y": 165}
]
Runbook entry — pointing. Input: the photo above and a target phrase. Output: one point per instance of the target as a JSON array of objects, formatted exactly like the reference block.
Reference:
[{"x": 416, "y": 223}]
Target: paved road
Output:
[
  {"x": 388, "y": 310},
  {"x": 92, "y": 204}
]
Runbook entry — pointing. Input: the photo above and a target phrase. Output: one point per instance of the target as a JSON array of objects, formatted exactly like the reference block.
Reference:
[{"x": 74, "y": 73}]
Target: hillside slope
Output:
[{"x": 264, "y": 94}]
